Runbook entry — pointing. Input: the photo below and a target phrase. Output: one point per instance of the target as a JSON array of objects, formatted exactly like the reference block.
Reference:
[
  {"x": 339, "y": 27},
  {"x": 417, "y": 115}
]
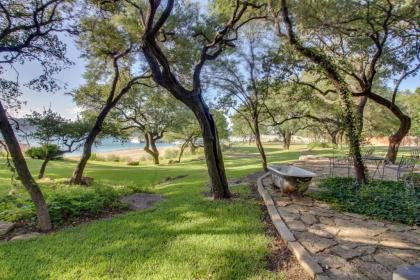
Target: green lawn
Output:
[{"x": 187, "y": 236}]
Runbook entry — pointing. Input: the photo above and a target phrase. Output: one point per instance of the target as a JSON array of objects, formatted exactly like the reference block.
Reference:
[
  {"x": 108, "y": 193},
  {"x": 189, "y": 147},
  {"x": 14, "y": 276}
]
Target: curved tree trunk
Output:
[
  {"x": 87, "y": 147},
  {"x": 150, "y": 147},
  {"x": 212, "y": 150},
  {"x": 181, "y": 151},
  {"x": 404, "y": 128},
  {"x": 260, "y": 146},
  {"x": 193, "y": 148},
  {"x": 395, "y": 139},
  {"x": 43, "y": 167},
  {"x": 43, "y": 217}
]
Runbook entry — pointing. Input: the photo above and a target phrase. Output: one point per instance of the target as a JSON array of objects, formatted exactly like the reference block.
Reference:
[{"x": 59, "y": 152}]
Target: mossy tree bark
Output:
[{"x": 43, "y": 216}]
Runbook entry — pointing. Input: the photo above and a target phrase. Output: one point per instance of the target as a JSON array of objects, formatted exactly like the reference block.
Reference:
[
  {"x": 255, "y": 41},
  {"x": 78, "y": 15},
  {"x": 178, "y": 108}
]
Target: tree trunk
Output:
[
  {"x": 150, "y": 147},
  {"x": 334, "y": 136},
  {"x": 192, "y": 147},
  {"x": 287, "y": 139},
  {"x": 87, "y": 147},
  {"x": 154, "y": 150},
  {"x": 43, "y": 167},
  {"x": 404, "y": 128},
  {"x": 360, "y": 114},
  {"x": 341, "y": 86},
  {"x": 395, "y": 140},
  {"x": 212, "y": 150},
  {"x": 259, "y": 144},
  {"x": 44, "y": 220},
  {"x": 181, "y": 151}
]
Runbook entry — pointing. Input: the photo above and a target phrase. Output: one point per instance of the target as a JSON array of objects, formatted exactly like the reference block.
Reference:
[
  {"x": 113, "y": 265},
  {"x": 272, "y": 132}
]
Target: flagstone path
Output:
[{"x": 333, "y": 245}]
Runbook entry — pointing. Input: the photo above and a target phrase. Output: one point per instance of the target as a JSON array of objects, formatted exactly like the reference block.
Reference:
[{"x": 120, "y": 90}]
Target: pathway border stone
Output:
[
  {"x": 334, "y": 245},
  {"x": 304, "y": 258}
]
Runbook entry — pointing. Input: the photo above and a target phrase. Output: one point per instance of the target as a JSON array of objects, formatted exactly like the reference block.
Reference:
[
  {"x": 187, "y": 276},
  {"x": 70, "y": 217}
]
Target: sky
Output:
[{"x": 73, "y": 77}]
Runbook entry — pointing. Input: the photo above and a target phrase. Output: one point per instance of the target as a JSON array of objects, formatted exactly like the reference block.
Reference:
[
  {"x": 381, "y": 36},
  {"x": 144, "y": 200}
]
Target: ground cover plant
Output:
[{"x": 388, "y": 200}]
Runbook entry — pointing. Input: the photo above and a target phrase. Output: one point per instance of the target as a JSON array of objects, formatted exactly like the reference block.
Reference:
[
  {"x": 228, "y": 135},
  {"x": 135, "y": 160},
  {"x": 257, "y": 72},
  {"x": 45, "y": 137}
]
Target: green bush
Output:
[
  {"x": 67, "y": 203},
  {"x": 133, "y": 163},
  {"x": 318, "y": 144},
  {"x": 50, "y": 150},
  {"x": 389, "y": 200}
]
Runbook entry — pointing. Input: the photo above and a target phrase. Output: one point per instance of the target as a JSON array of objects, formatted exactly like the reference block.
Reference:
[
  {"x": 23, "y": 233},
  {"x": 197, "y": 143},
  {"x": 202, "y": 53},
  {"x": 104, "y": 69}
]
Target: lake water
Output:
[{"x": 110, "y": 144}]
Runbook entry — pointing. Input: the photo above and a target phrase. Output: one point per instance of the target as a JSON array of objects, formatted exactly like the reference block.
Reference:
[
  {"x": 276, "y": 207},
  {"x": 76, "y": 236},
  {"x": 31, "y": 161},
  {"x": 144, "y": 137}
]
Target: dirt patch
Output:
[
  {"x": 172, "y": 178},
  {"x": 140, "y": 201}
]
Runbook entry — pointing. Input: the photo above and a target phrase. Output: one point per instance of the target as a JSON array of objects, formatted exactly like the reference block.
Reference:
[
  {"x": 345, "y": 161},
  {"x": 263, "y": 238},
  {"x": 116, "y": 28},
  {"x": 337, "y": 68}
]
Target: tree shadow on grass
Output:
[{"x": 184, "y": 237}]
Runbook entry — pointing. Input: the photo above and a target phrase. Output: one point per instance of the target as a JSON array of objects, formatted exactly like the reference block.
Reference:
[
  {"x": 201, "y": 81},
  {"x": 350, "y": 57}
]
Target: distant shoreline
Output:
[{"x": 129, "y": 154}]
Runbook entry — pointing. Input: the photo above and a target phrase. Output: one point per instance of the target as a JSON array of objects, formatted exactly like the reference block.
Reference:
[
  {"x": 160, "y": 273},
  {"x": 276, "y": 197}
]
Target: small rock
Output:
[
  {"x": 367, "y": 258},
  {"x": 5, "y": 227},
  {"x": 345, "y": 253},
  {"x": 387, "y": 259},
  {"x": 409, "y": 256},
  {"x": 330, "y": 261},
  {"x": 314, "y": 243},
  {"x": 326, "y": 221},
  {"x": 308, "y": 219},
  {"x": 25, "y": 236},
  {"x": 373, "y": 270},
  {"x": 319, "y": 229},
  {"x": 286, "y": 214},
  {"x": 296, "y": 225}
]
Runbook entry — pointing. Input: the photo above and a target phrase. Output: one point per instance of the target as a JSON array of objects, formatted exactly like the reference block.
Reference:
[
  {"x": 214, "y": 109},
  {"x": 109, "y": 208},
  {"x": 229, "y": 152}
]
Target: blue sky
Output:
[{"x": 73, "y": 77}]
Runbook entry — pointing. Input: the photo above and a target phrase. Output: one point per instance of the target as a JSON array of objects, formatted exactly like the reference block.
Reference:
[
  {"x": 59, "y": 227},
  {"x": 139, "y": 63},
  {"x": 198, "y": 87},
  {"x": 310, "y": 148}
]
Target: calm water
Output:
[{"x": 110, "y": 144}]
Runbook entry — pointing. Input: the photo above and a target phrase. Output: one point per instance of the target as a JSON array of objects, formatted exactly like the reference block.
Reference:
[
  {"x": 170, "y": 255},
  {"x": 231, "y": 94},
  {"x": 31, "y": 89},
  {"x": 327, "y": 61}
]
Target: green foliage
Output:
[
  {"x": 49, "y": 151},
  {"x": 318, "y": 144},
  {"x": 66, "y": 203},
  {"x": 387, "y": 200}
]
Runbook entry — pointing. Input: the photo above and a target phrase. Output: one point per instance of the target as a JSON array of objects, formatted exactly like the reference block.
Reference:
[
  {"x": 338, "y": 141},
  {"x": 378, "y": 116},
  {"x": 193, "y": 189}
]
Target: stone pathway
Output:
[{"x": 342, "y": 246}]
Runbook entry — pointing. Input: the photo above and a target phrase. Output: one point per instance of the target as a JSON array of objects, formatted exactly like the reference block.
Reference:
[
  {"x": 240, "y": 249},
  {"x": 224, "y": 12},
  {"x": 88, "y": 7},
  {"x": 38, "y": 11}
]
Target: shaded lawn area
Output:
[{"x": 187, "y": 236}]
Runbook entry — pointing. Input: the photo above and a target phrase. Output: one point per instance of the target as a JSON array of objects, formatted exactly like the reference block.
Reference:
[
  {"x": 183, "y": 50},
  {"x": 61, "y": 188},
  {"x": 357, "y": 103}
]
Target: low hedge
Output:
[
  {"x": 66, "y": 203},
  {"x": 389, "y": 200}
]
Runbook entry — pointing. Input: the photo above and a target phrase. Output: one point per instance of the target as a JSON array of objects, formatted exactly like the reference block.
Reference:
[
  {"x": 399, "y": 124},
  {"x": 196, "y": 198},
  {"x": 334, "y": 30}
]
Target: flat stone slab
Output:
[
  {"x": 334, "y": 245},
  {"x": 26, "y": 236},
  {"x": 140, "y": 201},
  {"x": 5, "y": 227}
]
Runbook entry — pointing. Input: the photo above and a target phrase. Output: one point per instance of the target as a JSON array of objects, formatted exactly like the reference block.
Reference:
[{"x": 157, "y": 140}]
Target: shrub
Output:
[
  {"x": 50, "y": 150},
  {"x": 67, "y": 203},
  {"x": 390, "y": 200},
  {"x": 318, "y": 144},
  {"x": 133, "y": 163}
]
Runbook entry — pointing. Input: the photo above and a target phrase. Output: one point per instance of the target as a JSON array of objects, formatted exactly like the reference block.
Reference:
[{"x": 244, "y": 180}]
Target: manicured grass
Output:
[{"x": 187, "y": 236}]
